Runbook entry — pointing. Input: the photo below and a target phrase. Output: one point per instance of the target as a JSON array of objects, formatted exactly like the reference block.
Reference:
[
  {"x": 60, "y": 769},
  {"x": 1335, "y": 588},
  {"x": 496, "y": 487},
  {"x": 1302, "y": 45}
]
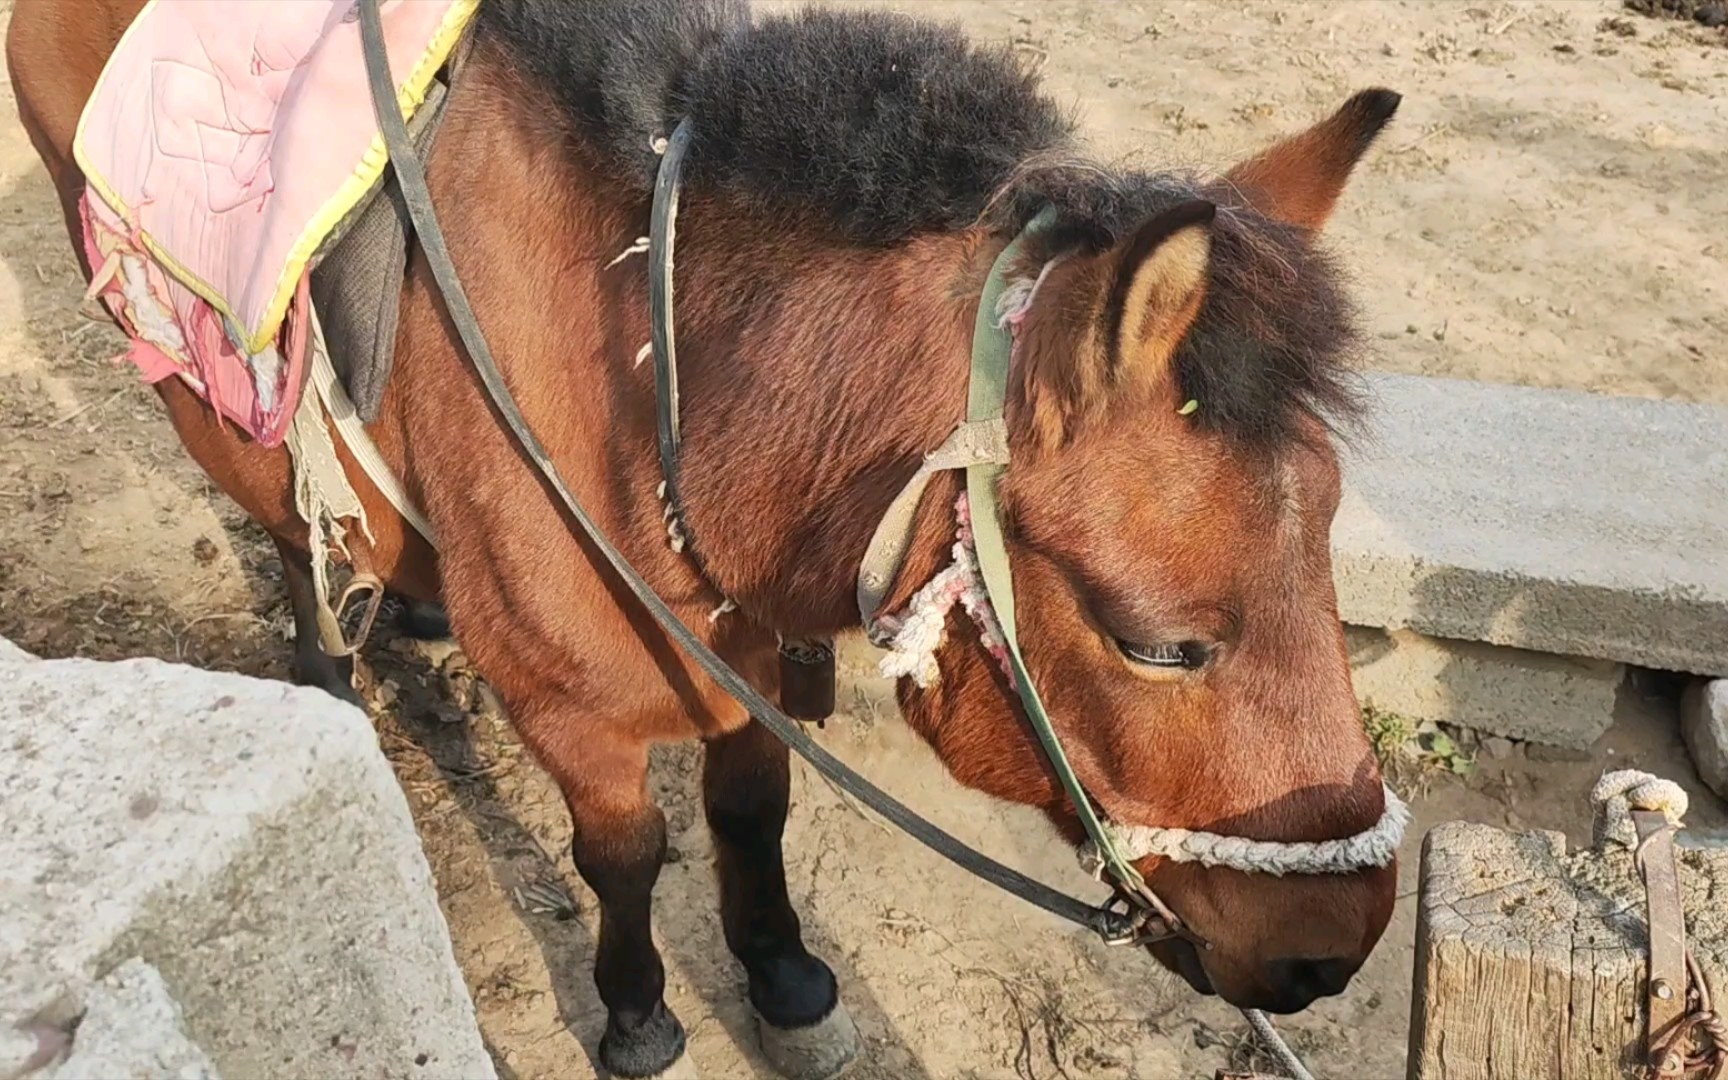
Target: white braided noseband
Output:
[
  {"x": 1374, "y": 846},
  {"x": 920, "y": 631}
]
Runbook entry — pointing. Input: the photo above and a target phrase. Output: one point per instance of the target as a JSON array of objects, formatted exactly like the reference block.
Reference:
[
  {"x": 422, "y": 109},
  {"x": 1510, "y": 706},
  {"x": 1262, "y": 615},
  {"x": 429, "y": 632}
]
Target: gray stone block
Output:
[
  {"x": 1704, "y": 724},
  {"x": 1510, "y": 692},
  {"x": 1549, "y": 520},
  {"x": 244, "y": 842},
  {"x": 132, "y": 1027}
]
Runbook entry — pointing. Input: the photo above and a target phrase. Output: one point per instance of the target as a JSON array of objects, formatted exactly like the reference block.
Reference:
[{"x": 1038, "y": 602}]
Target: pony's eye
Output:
[{"x": 1179, "y": 656}]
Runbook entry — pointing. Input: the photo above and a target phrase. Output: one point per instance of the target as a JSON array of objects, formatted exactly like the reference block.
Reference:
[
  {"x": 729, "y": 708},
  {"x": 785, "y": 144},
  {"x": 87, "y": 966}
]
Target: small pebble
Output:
[
  {"x": 445, "y": 654},
  {"x": 1497, "y": 747}
]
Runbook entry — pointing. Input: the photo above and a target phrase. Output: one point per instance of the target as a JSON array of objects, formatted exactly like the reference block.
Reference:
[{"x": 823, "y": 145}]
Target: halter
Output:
[
  {"x": 980, "y": 578},
  {"x": 912, "y": 639}
]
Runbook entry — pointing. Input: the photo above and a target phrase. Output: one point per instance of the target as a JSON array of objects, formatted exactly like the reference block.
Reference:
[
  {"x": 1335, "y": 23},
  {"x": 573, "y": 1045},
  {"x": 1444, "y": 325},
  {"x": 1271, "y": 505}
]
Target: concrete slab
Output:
[
  {"x": 1704, "y": 724},
  {"x": 1550, "y": 520},
  {"x": 1511, "y": 692},
  {"x": 247, "y": 842},
  {"x": 132, "y": 1027}
]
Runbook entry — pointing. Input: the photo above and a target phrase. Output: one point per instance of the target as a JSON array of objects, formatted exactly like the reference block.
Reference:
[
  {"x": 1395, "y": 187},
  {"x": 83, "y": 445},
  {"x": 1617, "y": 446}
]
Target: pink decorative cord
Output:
[{"x": 920, "y": 630}]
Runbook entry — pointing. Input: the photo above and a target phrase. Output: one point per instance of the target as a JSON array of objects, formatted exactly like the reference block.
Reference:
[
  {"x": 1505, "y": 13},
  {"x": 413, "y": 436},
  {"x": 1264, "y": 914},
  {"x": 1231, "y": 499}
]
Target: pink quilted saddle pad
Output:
[{"x": 223, "y": 143}]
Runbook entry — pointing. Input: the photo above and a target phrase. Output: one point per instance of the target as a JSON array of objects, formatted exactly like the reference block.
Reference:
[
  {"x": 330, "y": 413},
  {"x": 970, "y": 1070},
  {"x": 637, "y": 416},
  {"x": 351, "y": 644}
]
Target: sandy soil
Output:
[{"x": 1549, "y": 210}]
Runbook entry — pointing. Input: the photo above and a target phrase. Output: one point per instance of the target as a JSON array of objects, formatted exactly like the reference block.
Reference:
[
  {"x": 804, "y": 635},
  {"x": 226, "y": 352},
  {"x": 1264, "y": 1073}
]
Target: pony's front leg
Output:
[
  {"x": 619, "y": 844},
  {"x": 805, "y": 1031}
]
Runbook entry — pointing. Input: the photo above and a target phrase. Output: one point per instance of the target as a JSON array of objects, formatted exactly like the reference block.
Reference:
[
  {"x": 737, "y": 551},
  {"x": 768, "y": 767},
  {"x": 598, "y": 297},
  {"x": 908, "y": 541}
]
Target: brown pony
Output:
[{"x": 853, "y": 176}]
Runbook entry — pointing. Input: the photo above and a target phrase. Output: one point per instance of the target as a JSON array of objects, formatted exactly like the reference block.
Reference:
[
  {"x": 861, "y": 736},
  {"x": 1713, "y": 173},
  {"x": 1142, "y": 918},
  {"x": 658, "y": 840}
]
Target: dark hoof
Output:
[
  {"x": 650, "y": 1049},
  {"x": 327, "y": 673},
  {"x": 819, "y": 1051},
  {"x": 428, "y": 622}
]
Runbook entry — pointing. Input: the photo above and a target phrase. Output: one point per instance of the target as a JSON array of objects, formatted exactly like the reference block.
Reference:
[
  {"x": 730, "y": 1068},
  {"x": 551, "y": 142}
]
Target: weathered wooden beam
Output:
[{"x": 1530, "y": 962}]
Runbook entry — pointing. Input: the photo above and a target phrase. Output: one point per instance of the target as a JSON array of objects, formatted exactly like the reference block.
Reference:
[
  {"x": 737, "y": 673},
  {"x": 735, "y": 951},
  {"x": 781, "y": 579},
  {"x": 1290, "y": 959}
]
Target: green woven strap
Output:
[{"x": 987, "y": 392}]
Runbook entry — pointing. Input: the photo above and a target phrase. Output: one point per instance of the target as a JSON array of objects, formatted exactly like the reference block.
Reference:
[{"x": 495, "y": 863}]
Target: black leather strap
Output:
[{"x": 662, "y": 230}]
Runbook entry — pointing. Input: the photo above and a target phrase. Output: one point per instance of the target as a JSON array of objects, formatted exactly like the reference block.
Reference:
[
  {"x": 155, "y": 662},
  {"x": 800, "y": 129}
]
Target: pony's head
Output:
[{"x": 1176, "y": 382}]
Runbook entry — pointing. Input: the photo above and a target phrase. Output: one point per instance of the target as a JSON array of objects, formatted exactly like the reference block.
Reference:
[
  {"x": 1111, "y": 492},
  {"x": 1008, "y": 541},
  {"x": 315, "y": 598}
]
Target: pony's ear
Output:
[
  {"x": 1105, "y": 319},
  {"x": 1299, "y": 179},
  {"x": 1156, "y": 286}
]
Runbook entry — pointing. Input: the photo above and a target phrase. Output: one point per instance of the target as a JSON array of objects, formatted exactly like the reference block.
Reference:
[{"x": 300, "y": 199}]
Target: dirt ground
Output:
[{"x": 1549, "y": 209}]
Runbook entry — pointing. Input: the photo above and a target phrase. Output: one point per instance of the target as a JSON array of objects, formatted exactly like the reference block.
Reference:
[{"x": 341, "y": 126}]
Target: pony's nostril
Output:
[{"x": 1300, "y": 981}]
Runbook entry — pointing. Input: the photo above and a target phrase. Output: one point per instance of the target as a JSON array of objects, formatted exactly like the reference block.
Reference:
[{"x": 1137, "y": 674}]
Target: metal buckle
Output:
[
  {"x": 1132, "y": 924},
  {"x": 331, "y": 631},
  {"x": 1137, "y": 917}
]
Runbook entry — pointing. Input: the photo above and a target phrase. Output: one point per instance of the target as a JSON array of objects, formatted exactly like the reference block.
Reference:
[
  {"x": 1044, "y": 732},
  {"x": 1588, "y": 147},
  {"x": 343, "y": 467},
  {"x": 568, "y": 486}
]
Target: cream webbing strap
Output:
[{"x": 354, "y": 436}]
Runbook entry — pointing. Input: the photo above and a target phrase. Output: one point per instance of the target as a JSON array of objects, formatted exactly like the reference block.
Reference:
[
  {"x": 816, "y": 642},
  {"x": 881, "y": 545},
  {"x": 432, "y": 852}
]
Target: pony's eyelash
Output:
[{"x": 1174, "y": 656}]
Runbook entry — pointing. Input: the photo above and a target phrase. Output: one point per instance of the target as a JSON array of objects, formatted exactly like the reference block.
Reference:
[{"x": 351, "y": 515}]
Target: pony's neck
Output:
[{"x": 814, "y": 378}]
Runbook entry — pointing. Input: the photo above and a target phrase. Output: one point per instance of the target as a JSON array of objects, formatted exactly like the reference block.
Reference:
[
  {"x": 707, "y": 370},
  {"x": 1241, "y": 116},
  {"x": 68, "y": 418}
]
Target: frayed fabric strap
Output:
[
  {"x": 1375, "y": 846},
  {"x": 973, "y": 443},
  {"x": 1000, "y": 310}
]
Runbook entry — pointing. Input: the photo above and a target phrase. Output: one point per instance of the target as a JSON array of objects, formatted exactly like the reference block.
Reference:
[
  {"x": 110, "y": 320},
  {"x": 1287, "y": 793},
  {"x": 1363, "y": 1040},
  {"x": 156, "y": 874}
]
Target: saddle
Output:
[
  {"x": 358, "y": 272},
  {"x": 237, "y": 184}
]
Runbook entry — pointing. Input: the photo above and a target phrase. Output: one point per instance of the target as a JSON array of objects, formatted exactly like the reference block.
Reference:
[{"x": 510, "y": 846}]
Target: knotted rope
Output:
[
  {"x": 1613, "y": 799},
  {"x": 916, "y": 634},
  {"x": 1618, "y": 793}
]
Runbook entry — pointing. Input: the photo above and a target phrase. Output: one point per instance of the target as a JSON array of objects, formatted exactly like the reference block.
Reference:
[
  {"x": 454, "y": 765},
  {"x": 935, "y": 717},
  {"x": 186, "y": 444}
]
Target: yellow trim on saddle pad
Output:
[{"x": 371, "y": 168}]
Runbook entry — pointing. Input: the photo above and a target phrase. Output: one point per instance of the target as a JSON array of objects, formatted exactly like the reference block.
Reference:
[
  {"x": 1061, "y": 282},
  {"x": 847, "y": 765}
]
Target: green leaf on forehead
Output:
[{"x": 1188, "y": 408}]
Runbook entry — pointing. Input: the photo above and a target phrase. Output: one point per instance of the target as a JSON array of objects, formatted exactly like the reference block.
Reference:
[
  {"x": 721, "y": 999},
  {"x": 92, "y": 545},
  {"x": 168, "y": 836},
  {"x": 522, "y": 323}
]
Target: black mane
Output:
[{"x": 888, "y": 127}]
